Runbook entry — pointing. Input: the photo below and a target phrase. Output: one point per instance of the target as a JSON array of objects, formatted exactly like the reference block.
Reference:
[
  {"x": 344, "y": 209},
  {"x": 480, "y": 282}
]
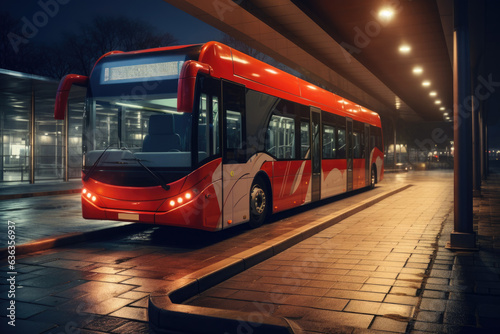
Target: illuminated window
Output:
[
  {"x": 281, "y": 137},
  {"x": 341, "y": 142},
  {"x": 329, "y": 147},
  {"x": 356, "y": 145},
  {"x": 304, "y": 140}
]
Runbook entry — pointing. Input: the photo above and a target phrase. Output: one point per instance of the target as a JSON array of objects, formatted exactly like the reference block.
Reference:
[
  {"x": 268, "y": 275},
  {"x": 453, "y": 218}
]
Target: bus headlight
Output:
[
  {"x": 89, "y": 195},
  {"x": 185, "y": 197}
]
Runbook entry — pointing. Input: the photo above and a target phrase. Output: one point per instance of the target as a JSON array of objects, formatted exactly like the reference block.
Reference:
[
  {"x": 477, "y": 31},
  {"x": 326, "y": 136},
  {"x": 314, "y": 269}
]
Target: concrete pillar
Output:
[
  {"x": 394, "y": 126},
  {"x": 486, "y": 148},
  {"x": 476, "y": 149},
  {"x": 463, "y": 236},
  {"x": 481, "y": 141}
]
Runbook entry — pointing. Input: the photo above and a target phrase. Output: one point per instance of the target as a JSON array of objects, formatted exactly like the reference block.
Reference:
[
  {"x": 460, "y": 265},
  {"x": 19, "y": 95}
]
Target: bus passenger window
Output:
[
  {"x": 341, "y": 144},
  {"x": 233, "y": 130},
  {"x": 281, "y": 137},
  {"x": 203, "y": 129},
  {"x": 362, "y": 145},
  {"x": 288, "y": 139},
  {"x": 272, "y": 136},
  {"x": 329, "y": 142},
  {"x": 215, "y": 125},
  {"x": 356, "y": 145},
  {"x": 304, "y": 139}
]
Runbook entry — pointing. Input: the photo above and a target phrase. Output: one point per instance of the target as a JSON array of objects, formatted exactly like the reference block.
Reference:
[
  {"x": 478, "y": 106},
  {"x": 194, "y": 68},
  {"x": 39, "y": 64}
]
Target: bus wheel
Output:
[
  {"x": 373, "y": 178},
  {"x": 259, "y": 203}
]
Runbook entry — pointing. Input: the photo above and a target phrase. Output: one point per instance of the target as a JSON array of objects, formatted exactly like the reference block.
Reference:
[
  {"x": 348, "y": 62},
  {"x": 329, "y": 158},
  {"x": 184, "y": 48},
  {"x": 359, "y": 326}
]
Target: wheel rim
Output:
[{"x": 258, "y": 200}]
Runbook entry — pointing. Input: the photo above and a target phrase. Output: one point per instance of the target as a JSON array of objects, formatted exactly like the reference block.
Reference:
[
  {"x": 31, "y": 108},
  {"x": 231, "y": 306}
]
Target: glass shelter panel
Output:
[
  {"x": 15, "y": 135},
  {"x": 49, "y": 140}
]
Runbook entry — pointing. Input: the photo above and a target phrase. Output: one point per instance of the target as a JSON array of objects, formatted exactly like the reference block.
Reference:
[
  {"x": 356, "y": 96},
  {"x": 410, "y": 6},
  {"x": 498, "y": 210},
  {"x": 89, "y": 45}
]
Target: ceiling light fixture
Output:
[
  {"x": 386, "y": 14},
  {"x": 398, "y": 102},
  {"x": 433, "y": 93},
  {"x": 405, "y": 49},
  {"x": 426, "y": 83},
  {"x": 442, "y": 108},
  {"x": 418, "y": 70},
  {"x": 437, "y": 102}
]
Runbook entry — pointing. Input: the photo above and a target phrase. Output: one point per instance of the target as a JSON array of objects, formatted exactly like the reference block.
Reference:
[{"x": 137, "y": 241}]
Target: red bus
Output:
[{"x": 206, "y": 137}]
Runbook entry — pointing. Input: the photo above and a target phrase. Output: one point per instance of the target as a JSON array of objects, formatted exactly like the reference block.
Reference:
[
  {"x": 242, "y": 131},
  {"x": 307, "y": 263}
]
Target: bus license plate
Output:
[{"x": 128, "y": 216}]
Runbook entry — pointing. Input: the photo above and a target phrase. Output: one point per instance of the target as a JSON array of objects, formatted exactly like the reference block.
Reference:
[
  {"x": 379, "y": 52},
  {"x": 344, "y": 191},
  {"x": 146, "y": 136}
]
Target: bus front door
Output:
[
  {"x": 315, "y": 154},
  {"x": 349, "y": 154}
]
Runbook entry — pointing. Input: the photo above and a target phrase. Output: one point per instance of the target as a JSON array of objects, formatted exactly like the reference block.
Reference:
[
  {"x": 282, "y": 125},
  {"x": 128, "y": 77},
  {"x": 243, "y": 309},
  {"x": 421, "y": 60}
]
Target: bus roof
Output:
[
  {"x": 234, "y": 65},
  {"x": 231, "y": 64}
]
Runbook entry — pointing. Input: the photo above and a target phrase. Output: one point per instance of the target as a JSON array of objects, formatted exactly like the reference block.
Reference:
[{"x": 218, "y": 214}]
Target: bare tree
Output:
[
  {"x": 106, "y": 34},
  {"x": 14, "y": 55},
  {"x": 77, "y": 52},
  {"x": 7, "y": 24}
]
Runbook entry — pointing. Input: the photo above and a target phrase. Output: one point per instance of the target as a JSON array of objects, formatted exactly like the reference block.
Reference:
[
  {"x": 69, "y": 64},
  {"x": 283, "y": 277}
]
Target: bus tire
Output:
[
  {"x": 373, "y": 177},
  {"x": 259, "y": 202}
]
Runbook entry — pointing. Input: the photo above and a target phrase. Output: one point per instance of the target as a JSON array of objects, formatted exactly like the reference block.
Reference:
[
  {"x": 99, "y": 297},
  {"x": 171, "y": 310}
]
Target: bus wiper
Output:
[
  {"x": 96, "y": 163},
  {"x": 153, "y": 174}
]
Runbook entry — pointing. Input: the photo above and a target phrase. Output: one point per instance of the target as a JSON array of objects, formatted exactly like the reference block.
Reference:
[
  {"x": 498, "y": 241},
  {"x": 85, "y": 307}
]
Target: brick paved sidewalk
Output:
[
  {"x": 102, "y": 286},
  {"x": 462, "y": 293},
  {"x": 382, "y": 270},
  {"x": 365, "y": 272}
]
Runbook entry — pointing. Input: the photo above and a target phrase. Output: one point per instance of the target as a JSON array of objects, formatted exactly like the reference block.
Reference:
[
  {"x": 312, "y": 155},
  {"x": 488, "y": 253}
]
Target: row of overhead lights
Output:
[
  {"x": 387, "y": 14},
  {"x": 418, "y": 70}
]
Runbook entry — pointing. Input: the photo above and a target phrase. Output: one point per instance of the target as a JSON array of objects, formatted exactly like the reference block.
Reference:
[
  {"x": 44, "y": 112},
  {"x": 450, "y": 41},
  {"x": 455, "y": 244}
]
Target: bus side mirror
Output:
[
  {"x": 187, "y": 84},
  {"x": 63, "y": 92}
]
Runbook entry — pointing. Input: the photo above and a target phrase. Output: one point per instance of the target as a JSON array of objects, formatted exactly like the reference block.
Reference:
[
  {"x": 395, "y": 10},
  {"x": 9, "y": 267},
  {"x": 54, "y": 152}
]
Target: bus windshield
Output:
[
  {"x": 131, "y": 118},
  {"x": 151, "y": 128}
]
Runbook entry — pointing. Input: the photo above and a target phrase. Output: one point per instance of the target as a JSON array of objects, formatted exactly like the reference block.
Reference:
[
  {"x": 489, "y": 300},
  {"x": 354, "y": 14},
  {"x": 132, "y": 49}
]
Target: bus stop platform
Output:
[{"x": 384, "y": 269}]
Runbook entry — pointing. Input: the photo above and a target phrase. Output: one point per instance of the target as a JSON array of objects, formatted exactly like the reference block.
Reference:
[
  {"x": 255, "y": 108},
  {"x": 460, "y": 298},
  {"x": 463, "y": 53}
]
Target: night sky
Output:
[{"x": 163, "y": 16}]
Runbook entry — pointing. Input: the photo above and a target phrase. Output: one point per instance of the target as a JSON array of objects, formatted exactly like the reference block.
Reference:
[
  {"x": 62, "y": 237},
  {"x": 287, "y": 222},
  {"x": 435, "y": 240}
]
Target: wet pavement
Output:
[
  {"x": 362, "y": 273},
  {"x": 462, "y": 291},
  {"x": 384, "y": 269},
  {"x": 12, "y": 190},
  {"x": 103, "y": 286},
  {"x": 45, "y": 217}
]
